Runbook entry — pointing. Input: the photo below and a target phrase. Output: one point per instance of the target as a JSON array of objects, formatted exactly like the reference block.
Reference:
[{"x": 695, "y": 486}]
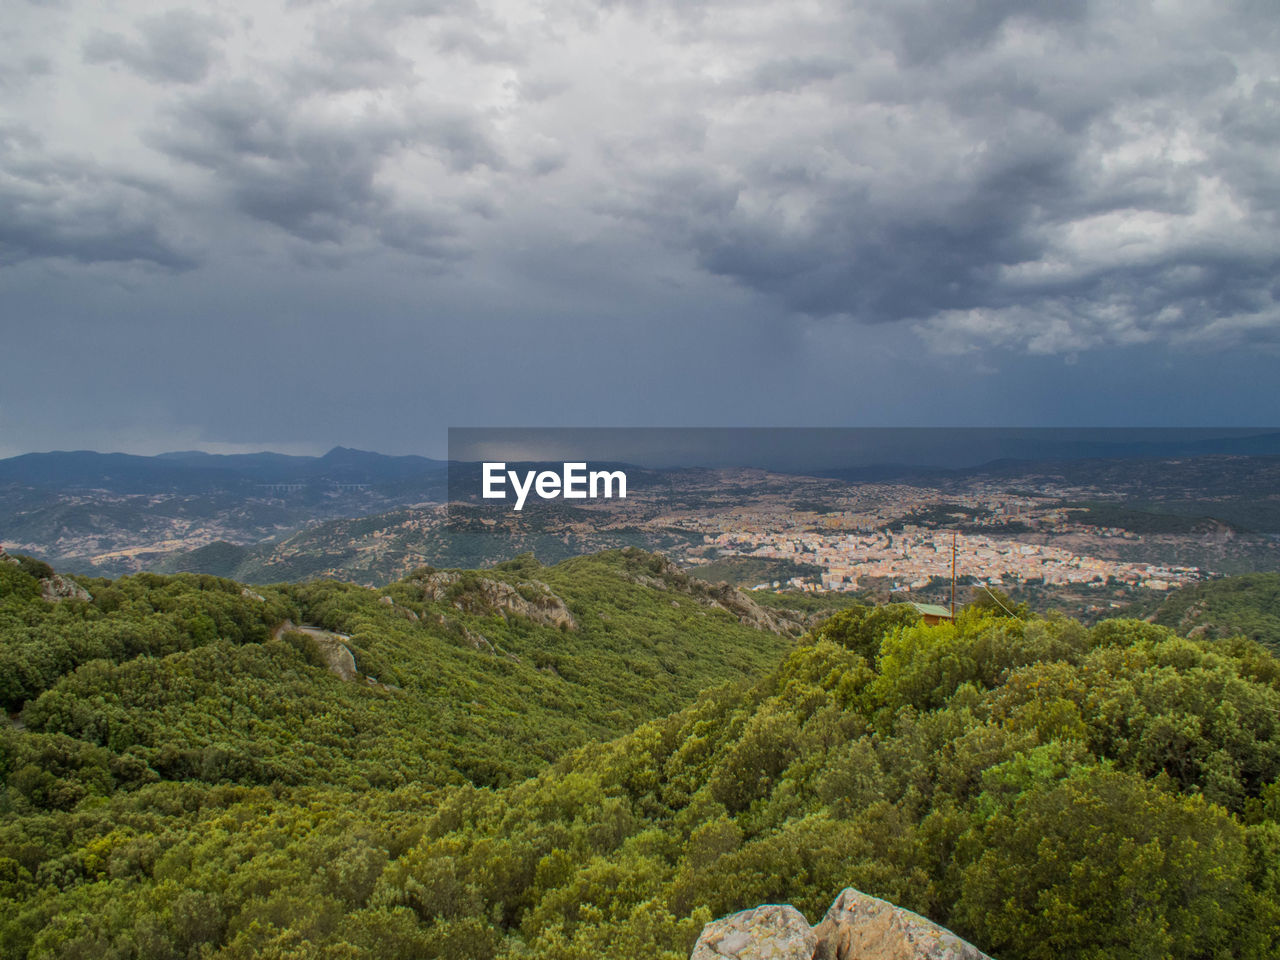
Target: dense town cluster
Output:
[
  {"x": 907, "y": 536},
  {"x": 913, "y": 556}
]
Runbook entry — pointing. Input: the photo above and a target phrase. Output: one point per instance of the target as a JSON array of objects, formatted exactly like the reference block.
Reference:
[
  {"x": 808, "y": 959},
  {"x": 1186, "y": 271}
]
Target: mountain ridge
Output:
[
  {"x": 81, "y": 469},
  {"x": 450, "y": 767}
]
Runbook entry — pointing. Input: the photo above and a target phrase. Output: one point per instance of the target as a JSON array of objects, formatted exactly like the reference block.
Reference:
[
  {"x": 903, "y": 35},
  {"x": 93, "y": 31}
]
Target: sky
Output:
[{"x": 239, "y": 225}]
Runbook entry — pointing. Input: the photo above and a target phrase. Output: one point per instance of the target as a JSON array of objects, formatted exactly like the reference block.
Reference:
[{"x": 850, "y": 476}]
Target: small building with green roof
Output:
[{"x": 933, "y": 613}]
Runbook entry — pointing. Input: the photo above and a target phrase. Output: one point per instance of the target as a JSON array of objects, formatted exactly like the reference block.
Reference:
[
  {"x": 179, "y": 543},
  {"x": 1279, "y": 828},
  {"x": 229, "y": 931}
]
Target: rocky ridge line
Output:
[
  {"x": 531, "y": 599},
  {"x": 660, "y": 573}
]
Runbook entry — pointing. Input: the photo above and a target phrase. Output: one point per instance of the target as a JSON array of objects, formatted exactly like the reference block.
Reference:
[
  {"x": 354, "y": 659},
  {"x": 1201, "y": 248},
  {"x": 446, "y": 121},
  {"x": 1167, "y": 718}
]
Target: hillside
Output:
[
  {"x": 480, "y": 678},
  {"x": 382, "y": 547},
  {"x": 1246, "y": 605},
  {"x": 112, "y": 514},
  {"x": 1043, "y": 789}
]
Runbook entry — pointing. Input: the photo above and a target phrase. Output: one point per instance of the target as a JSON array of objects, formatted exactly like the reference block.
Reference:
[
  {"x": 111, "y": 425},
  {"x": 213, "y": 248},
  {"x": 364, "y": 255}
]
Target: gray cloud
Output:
[
  {"x": 395, "y": 12},
  {"x": 315, "y": 179},
  {"x": 1055, "y": 162},
  {"x": 17, "y": 74},
  {"x": 926, "y": 32},
  {"x": 1109, "y": 170},
  {"x": 59, "y": 207},
  {"x": 790, "y": 74},
  {"x": 481, "y": 43},
  {"x": 350, "y": 51},
  {"x": 178, "y": 46},
  {"x": 715, "y": 195}
]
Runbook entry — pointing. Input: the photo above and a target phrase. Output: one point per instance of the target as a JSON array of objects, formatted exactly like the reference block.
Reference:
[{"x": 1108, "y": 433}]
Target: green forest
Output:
[{"x": 593, "y": 759}]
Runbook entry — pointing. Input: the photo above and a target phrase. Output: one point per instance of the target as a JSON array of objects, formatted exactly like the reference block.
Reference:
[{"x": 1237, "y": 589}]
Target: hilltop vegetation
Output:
[
  {"x": 188, "y": 786},
  {"x": 1103, "y": 514},
  {"x": 1043, "y": 789},
  {"x": 1247, "y": 605},
  {"x": 378, "y": 548},
  {"x": 187, "y": 677}
]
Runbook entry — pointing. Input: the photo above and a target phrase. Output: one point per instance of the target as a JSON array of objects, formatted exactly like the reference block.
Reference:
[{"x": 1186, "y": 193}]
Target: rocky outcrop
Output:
[
  {"x": 337, "y": 657},
  {"x": 531, "y": 599},
  {"x": 58, "y": 587},
  {"x": 771, "y": 932},
  {"x": 54, "y": 586},
  {"x": 733, "y": 600},
  {"x": 402, "y": 611},
  {"x": 857, "y": 927},
  {"x": 335, "y": 654},
  {"x": 860, "y": 927},
  {"x": 655, "y": 570}
]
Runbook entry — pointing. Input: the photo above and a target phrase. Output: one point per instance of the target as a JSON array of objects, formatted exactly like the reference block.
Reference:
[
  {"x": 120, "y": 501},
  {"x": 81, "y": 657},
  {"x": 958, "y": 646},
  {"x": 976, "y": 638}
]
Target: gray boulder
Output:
[
  {"x": 857, "y": 927},
  {"x": 771, "y": 932}
]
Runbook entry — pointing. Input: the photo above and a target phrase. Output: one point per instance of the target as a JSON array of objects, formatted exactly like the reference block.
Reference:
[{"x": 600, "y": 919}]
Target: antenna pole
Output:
[{"x": 953, "y": 576}]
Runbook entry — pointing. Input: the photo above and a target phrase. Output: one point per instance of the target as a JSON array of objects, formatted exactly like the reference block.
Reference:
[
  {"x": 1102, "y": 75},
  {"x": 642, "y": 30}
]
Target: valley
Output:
[{"x": 1087, "y": 537}]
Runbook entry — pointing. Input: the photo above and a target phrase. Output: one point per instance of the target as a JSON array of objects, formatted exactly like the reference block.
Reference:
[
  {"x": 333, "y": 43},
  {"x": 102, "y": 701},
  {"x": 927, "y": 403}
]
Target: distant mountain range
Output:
[
  {"x": 862, "y": 453},
  {"x": 197, "y": 472},
  {"x": 115, "y": 513},
  {"x": 848, "y": 454},
  {"x": 369, "y": 517}
]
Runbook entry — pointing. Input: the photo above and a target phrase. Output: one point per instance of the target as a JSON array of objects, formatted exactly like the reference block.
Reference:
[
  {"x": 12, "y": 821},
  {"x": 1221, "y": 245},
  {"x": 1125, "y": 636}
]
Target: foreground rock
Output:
[
  {"x": 771, "y": 932},
  {"x": 857, "y": 927}
]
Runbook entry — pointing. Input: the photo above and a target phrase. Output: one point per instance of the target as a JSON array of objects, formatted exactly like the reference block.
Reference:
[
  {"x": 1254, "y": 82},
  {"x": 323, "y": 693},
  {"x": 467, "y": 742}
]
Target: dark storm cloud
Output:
[
  {"x": 178, "y": 46},
  {"x": 63, "y": 208},
  {"x": 993, "y": 178},
  {"x": 871, "y": 260},
  {"x": 316, "y": 178},
  {"x": 1250, "y": 123},
  {"x": 926, "y": 32},
  {"x": 854, "y": 251},
  {"x": 1056, "y": 176}
]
